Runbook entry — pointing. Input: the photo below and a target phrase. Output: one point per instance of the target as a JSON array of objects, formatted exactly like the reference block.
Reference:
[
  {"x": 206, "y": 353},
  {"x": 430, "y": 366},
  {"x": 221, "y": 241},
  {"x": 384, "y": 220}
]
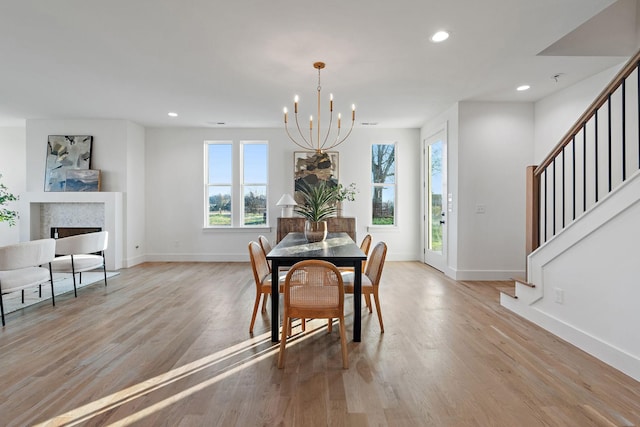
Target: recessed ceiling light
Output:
[
  {"x": 369, "y": 123},
  {"x": 172, "y": 114},
  {"x": 523, "y": 87},
  {"x": 440, "y": 36}
]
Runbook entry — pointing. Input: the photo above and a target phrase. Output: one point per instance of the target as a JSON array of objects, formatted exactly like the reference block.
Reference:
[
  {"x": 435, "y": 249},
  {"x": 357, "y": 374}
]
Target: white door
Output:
[{"x": 435, "y": 219}]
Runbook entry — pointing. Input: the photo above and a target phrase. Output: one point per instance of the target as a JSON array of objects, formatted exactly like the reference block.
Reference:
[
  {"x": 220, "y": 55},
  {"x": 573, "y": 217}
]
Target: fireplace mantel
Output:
[{"x": 31, "y": 208}]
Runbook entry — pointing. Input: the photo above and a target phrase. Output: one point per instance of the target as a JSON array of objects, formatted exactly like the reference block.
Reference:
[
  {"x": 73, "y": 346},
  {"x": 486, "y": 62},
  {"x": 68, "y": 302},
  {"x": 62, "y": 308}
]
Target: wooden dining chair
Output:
[
  {"x": 266, "y": 247},
  {"x": 313, "y": 289},
  {"x": 262, "y": 278},
  {"x": 370, "y": 278},
  {"x": 364, "y": 247}
]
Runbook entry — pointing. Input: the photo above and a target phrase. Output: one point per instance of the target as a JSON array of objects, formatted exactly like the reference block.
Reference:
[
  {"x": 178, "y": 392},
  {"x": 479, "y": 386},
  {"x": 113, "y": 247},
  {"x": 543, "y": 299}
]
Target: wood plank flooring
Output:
[{"x": 167, "y": 344}]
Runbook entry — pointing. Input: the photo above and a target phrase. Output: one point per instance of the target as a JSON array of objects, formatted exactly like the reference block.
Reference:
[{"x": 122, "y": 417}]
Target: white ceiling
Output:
[{"x": 239, "y": 62}]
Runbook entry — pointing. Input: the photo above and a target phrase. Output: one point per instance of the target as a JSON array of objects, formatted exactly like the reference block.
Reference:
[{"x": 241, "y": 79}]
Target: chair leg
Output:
[
  {"x": 343, "y": 343},
  {"x": 283, "y": 341},
  {"x": 367, "y": 299},
  {"x": 377, "y": 300},
  {"x": 255, "y": 311},
  {"x": 40, "y": 290},
  {"x": 264, "y": 303},
  {"x": 329, "y": 325},
  {"x": 22, "y": 291}
]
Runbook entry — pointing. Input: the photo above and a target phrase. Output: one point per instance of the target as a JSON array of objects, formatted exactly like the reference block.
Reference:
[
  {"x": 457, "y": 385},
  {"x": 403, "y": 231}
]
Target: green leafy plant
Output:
[
  {"x": 318, "y": 202},
  {"x": 7, "y": 215},
  {"x": 346, "y": 193}
]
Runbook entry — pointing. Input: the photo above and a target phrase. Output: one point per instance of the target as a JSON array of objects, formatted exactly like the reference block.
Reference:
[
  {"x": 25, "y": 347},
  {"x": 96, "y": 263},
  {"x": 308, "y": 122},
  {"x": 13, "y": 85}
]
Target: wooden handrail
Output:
[{"x": 590, "y": 112}]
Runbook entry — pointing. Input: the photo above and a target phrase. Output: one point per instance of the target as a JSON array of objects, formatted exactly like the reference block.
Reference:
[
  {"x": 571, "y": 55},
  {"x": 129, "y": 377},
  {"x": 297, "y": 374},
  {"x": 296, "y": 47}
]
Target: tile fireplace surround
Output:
[{"x": 41, "y": 211}]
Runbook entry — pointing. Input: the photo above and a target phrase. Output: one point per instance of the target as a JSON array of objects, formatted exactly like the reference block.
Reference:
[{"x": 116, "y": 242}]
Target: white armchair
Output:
[
  {"x": 20, "y": 267},
  {"x": 83, "y": 252}
]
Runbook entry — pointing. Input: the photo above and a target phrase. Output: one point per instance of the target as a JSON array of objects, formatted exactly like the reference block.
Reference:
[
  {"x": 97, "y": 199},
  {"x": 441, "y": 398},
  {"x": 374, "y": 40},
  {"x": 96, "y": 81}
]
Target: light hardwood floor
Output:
[{"x": 167, "y": 344}]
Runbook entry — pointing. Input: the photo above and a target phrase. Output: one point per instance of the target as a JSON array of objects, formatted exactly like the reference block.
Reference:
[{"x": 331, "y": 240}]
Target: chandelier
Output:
[{"x": 319, "y": 143}]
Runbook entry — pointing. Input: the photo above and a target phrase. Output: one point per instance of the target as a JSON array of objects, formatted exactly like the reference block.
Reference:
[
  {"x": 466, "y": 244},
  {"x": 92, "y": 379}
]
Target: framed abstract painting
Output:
[
  {"x": 311, "y": 167},
  {"x": 65, "y": 152}
]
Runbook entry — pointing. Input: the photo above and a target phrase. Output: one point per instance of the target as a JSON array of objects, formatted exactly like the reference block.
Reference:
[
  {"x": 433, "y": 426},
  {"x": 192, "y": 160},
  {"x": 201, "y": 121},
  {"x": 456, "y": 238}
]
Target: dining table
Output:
[{"x": 338, "y": 248}]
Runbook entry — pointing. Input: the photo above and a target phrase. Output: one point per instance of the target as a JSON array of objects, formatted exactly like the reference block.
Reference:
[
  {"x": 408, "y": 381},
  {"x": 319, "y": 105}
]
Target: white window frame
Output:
[
  {"x": 243, "y": 184},
  {"x": 237, "y": 184},
  {"x": 394, "y": 185}
]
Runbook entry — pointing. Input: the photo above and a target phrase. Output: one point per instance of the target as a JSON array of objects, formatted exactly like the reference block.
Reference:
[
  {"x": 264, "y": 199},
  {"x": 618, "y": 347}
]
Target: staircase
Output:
[{"x": 583, "y": 223}]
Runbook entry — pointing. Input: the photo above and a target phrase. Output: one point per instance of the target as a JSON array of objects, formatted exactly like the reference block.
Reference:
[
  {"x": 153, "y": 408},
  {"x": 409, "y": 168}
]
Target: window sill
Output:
[
  {"x": 383, "y": 228},
  {"x": 261, "y": 228}
]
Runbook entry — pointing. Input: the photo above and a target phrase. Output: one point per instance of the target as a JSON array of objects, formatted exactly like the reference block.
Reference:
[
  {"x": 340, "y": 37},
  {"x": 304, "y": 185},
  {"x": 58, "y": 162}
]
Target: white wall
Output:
[
  {"x": 175, "y": 176},
  {"x": 135, "y": 208},
  {"x": 12, "y": 160},
  {"x": 556, "y": 114},
  {"x": 495, "y": 147},
  {"x": 490, "y": 145}
]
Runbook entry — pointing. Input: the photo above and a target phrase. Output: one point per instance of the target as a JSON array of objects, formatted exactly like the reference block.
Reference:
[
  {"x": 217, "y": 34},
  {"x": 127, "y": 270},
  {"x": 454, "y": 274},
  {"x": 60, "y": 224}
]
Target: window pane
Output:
[
  {"x": 220, "y": 205},
  {"x": 220, "y": 163},
  {"x": 383, "y": 164},
  {"x": 255, "y": 205},
  {"x": 435, "y": 196},
  {"x": 383, "y": 205},
  {"x": 255, "y": 163}
]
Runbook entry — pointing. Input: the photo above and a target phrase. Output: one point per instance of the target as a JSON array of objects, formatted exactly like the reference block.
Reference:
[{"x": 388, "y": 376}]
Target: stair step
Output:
[
  {"x": 523, "y": 282},
  {"x": 509, "y": 290}
]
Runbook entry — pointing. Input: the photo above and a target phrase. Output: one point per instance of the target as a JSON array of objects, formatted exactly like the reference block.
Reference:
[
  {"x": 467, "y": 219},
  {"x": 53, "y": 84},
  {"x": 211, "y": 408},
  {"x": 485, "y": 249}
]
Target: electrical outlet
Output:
[
  {"x": 558, "y": 295},
  {"x": 480, "y": 209}
]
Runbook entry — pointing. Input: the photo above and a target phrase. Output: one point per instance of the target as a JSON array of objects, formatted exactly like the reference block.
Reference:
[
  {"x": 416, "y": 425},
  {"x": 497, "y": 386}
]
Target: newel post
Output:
[{"x": 533, "y": 210}]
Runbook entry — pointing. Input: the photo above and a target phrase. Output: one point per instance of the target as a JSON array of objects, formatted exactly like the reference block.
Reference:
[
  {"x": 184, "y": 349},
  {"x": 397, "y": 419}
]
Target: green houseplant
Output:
[
  {"x": 318, "y": 204},
  {"x": 7, "y": 215}
]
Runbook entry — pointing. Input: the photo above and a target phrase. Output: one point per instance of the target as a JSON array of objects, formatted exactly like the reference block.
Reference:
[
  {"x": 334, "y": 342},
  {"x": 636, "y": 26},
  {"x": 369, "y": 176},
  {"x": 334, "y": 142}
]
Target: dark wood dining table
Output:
[{"x": 337, "y": 248}]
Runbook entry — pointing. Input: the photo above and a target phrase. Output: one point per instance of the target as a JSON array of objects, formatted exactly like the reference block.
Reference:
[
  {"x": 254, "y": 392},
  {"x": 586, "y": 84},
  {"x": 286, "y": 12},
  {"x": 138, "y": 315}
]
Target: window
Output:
[
  {"x": 219, "y": 183},
  {"x": 383, "y": 184},
  {"x": 236, "y": 183},
  {"x": 254, "y": 183}
]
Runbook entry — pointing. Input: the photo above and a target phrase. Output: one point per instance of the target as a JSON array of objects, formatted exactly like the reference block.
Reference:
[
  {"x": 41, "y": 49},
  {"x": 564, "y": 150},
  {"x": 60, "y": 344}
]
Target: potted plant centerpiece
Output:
[{"x": 318, "y": 205}]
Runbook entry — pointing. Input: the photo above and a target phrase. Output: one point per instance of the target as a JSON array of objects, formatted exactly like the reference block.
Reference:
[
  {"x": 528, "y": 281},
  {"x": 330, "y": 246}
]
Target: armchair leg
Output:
[
  {"x": 73, "y": 273},
  {"x": 104, "y": 270},
  {"x": 2, "y": 309},
  {"x": 53, "y": 295}
]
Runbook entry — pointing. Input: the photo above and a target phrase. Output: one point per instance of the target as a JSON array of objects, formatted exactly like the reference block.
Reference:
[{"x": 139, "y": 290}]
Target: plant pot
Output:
[
  {"x": 315, "y": 231},
  {"x": 338, "y": 209}
]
